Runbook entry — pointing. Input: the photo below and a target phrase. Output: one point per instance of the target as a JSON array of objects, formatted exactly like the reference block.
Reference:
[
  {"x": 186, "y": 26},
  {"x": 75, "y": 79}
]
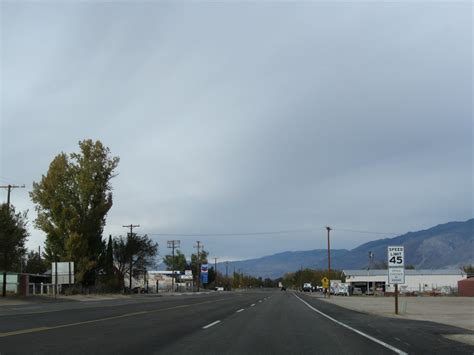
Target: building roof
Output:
[
  {"x": 470, "y": 279},
  {"x": 365, "y": 272}
]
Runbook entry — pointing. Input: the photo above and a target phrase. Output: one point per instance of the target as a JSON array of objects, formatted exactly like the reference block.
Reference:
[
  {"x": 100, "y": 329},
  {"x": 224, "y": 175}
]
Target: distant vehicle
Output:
[
  {"x": 342, "y": 290},
  {"x": 357, "y": 291},
  {"x": 218, "y": 288},
  {"x": 283, "y": 288},
  {"x": 307, "y": 287}
]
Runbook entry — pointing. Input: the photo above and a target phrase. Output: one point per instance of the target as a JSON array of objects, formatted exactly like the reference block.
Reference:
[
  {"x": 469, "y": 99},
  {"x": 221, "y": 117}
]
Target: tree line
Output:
[{"x": 72, "y": 201}]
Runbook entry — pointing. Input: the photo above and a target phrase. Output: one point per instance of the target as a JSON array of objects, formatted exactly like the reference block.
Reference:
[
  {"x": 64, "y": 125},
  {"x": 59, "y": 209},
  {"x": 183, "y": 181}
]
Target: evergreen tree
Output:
[{"x": 13, "y": 235}]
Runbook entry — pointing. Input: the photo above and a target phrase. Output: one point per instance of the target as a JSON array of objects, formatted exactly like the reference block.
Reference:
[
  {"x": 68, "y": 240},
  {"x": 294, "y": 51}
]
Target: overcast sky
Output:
[{"x": 238, "y": 117}]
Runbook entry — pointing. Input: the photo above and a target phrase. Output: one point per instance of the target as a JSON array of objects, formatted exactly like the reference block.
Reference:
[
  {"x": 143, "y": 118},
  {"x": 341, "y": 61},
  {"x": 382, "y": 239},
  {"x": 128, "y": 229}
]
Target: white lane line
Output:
[
  {"x": 240, "y": 310},
  {"x": 388, "y": 346},
  {"x": 211, "y": 324},
  {"x": 259, "y": 301},
  {"x": 253, "y": 304}
]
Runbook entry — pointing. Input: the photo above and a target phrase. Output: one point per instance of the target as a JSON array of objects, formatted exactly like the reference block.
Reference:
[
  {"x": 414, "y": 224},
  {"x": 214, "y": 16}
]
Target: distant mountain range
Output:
[{"x": 449, "y": 245}]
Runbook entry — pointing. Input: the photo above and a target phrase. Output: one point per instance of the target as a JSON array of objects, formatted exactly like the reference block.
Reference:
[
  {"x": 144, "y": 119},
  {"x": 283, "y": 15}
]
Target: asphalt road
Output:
[{"x": 252, "y": 322}]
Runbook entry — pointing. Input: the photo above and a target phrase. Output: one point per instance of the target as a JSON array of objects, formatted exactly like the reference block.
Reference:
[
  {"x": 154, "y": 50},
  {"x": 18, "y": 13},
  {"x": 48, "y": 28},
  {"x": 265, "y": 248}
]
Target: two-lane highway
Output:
[{"x": 252, "y": 322}]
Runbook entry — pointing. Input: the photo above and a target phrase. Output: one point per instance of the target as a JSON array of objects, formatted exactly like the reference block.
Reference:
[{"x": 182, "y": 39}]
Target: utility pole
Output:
[
  {"x": 329, "y": 262},
  {"x": 173, "y": 244},
  {"x": 198, "y": 262},
  {"x": 371, "y": 255},
  {"x": 215, "y": 270},
  {"x": 9, "y": 189},
  {"x": 301, "y": 277},
  {"x": 129, "y": 237},
  {"x": 227, "y": 275}
]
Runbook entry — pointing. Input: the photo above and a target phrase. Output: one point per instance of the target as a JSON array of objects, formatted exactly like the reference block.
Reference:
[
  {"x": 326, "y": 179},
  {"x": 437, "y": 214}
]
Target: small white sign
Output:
[
  {"x": 396, "y": 275},
  {"x": 396, "y": 256}
]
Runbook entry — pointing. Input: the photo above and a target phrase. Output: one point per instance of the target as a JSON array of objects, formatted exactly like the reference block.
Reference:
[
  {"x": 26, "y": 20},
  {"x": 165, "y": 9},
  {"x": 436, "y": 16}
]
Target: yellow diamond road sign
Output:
[{"x": 325, "y": 282}]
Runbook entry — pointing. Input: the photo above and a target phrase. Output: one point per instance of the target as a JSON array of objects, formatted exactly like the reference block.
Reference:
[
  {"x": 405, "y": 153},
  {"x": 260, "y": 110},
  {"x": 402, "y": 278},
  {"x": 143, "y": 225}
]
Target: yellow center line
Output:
[{"x": 42, "y": 329}]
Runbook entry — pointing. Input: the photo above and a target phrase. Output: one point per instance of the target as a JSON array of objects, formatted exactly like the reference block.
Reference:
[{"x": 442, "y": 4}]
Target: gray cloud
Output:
[{"x": 237, "y": 117}]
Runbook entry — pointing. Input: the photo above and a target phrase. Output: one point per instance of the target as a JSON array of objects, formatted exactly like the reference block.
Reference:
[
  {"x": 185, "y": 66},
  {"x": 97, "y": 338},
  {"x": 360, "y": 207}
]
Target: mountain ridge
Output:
[{"x": 443, "y": 246}]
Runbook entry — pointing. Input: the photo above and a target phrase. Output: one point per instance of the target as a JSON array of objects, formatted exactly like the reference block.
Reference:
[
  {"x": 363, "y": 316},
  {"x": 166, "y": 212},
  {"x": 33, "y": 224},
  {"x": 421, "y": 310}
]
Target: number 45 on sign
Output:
[{"x": 396, "y": 256}]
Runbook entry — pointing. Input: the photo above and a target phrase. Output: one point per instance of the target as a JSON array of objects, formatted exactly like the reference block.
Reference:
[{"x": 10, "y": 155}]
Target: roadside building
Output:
[
  {"x": 423, "y": 280},
  {"x": 466, "y": 287},
  {"x": 24, "y": 284},
  {"x": 162, "y": 281}
]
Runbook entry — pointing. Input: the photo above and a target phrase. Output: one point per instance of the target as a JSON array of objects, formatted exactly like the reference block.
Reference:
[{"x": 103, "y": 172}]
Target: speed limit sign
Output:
[
  {"x": 396, "y": 269},
  {"x": 396, "y": 256}
]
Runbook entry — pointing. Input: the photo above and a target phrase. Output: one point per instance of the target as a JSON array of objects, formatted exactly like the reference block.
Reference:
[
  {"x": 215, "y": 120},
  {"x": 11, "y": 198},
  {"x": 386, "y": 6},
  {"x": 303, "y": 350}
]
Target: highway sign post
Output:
[
  {"x": 325, "y": 283},
  {"x": 396, "y": 269},
  {"x": 204, "y": 273},
  {"x": 396, "y": 276}
]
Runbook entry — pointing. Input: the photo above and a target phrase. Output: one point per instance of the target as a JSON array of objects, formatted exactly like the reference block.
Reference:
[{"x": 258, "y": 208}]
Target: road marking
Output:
[
  {"x": 259, "y": 301},
  {"x": 42, "y": 329},
  {"x": 211, "y": 324},
  {"x": 240, "y": 310},
  {"x": 253, "y": 304},
  {"x": 388, "y": 346}
]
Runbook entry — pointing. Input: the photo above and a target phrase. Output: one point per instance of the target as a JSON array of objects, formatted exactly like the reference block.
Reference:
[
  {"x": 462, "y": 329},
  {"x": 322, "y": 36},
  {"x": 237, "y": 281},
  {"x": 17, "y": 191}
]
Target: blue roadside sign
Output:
[{"x": 204, "y": 273}]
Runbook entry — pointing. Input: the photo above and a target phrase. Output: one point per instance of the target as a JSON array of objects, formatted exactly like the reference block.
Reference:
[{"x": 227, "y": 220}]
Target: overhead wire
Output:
[
  {"x": 364, "y": 232},
  {"x": 227, "y": 234}
]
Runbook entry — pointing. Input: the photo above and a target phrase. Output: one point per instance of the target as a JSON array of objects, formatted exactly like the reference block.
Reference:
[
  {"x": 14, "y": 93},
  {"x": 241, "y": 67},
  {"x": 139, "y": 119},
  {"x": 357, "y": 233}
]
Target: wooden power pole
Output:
[{"x": 130, "y": 235}]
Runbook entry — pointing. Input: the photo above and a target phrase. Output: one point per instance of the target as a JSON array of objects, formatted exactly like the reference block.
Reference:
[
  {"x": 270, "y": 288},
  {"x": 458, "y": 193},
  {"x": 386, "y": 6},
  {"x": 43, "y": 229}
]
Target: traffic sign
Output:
[
  {"x": 204, "y": 273},
  {"x": 396, "y": 256},
  {"x": 396, "y": 269},
  {"x": 325, "y": 282},
  {"x": 396, "y": 275}
]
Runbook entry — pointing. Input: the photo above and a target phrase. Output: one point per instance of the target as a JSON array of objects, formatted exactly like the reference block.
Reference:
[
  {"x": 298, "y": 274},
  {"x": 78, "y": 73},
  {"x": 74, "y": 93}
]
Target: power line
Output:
[
  {"x": 5, "y": 179},
  {"x": 364, "y": 232},
  {"x": 9, "y": 189},
  {"x": 131, "y": 226},
  {"x": 227, "y": 234},
  {"x": 265, "y": 233}
]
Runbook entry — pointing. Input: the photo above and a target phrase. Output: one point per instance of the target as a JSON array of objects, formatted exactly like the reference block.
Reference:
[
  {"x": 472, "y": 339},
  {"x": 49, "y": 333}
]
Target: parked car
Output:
[{"x": 307, "y": 287}]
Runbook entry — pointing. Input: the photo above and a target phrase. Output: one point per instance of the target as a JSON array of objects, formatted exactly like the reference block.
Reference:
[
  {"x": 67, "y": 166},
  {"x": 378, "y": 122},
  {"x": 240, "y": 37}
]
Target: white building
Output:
[
  {"x": 415, "y": 280},
  {"x": 162, "y": 281}
]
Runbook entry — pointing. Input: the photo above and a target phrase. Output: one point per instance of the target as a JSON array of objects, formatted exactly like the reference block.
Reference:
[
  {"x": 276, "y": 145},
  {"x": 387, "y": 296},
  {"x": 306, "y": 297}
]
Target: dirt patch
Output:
[{"x": 455, "y": 311}]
